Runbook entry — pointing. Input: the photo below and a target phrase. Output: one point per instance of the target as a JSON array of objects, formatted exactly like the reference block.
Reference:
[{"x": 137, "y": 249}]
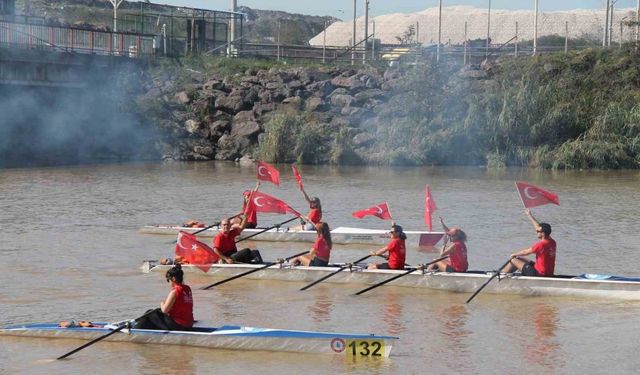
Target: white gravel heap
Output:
[{"x": 582, "y": 22}]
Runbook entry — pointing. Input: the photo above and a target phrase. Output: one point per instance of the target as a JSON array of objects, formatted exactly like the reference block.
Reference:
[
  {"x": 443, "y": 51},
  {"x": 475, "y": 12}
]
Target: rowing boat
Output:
[
  {"x": 585, "y": 285},
  {"x": 340, "y": 235},
  {"x": 226, "y": 337}
]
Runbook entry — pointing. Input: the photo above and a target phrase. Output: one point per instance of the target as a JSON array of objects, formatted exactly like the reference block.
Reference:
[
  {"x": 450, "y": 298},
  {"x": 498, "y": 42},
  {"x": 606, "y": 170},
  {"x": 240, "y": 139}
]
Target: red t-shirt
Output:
[
  {"x": 458, "y": 257},
  {"x": 226, "y": 243},
  {"x": 397, "y": 253},
  {"x": 545, "y": 251},
  {"x": 182, "y": 310},
  {"x": 315, "y": 215},
  {"x": 252, "y": 215},
  {"x": 322, "y": 248}
]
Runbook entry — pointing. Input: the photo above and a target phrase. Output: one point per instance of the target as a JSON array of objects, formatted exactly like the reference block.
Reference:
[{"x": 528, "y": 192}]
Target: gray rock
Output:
[
  {"x": 341, "y": 100},
  {"x": 315, "y": 104},
  {"x": 473, "y": 74},
  {"x": 339, "y": 91},
  {"x": 230, "y": 104},
  {"x": 295, "y": 85},
  {"x": 367, "y": 95},
  {"x": 246, "y": 129},
  {"x": 215, "y": 84},
  {"x": 244, "y": 116},
  {"x": 350, "y": 83},
  {"x": 219, "y": 127}
]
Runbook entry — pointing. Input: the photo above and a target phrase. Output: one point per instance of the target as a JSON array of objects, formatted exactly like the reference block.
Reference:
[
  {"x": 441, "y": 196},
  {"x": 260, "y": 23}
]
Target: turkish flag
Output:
[
  {"x": 297, "y": 176},
  {"x": 381, "y": 211},
  {"x": 429, "y": 207},
  {"x": 533, "y": 196},
  {"x": 261, "y": 202},
  {"x": 266, "y": 172},
  {"x": 195, "y": 252}
]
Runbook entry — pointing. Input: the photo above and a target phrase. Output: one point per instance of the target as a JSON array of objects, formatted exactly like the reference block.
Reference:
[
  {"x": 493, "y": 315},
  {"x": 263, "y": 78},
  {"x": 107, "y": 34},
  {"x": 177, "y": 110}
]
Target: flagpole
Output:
[
  {"x": 388, "y": 209},
  {"x": 520, "y": 195}
]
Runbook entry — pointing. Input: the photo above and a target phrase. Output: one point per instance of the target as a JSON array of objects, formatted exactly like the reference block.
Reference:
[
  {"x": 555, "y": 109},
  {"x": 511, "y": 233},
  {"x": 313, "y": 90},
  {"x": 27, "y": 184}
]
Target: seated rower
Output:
[
  {"x": 545, "y": 250},
  {"x": 319, "y": 254},
  {"x": 396, "y": 249},
  {"x": 456, "y": 250},
  {"x": 314, "y": 216},
  {"x": 224, "y": 244},
  {"x": 176, "y": 311}
]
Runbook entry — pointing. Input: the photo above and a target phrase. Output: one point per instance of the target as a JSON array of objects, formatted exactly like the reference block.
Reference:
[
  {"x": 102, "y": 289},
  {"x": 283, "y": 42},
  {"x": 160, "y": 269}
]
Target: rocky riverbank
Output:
[
  {"x": 213, "y": 116},
  {"x": 577, "y": 110}
]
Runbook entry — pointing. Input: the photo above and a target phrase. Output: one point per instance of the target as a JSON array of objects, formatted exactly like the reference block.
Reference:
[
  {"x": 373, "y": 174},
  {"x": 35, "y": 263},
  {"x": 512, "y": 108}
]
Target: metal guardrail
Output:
[{"x": 66, "y": 39}]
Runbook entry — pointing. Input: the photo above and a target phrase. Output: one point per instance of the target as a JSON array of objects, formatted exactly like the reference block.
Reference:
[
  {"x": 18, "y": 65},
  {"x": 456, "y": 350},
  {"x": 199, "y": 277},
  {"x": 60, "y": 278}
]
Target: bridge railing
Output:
[{"x": 68, "y": 39}]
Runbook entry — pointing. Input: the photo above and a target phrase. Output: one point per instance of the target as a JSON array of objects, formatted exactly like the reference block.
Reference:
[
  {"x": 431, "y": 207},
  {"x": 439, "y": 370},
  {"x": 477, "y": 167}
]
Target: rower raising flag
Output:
[
  {"x": 194, "y": 251},
  {"x": 262, "y": 202},
  {"x": 380, "y": 211},
  {"x": 429, "y": 207},
  {"x": 533, "y": 196},
  {"x": 296, "y": 175},
  {"x": 266, "y": 172}
]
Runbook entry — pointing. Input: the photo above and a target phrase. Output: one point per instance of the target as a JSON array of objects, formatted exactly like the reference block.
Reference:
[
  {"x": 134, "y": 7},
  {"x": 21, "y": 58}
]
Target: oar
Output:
[
  {"x": 400, "y": 275},
  {"x": 209, "y": 227},
  {"x": 120, "y": 328},
  {"x": 335, "y": 272},
  {"x": 252, "y": 271},
  {"x": 488, "y": 281},
  {"x": 266, "y": 229}
]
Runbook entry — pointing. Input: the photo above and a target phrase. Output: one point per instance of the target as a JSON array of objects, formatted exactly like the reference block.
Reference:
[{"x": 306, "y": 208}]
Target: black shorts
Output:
[
  {"x": 317, "y": 262},
  {"x": 529, "y": 270},
  {"x": 246, "y": 256},
  {"x": 251, "y": 226}
]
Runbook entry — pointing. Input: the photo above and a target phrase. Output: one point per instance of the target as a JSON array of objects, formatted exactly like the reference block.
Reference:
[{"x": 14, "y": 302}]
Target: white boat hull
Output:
[
  {"x": 233, "y": 338},
  {"x": 453, "y": 282},
  {"x": 340, "y": 235}
]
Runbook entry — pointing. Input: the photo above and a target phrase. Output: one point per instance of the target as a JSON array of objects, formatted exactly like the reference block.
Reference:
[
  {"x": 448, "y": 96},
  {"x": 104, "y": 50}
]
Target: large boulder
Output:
[
  {"x": 230, "y": 104},
  {"x": 247, "y": 129},
  {"x": 350, "y": 83}
]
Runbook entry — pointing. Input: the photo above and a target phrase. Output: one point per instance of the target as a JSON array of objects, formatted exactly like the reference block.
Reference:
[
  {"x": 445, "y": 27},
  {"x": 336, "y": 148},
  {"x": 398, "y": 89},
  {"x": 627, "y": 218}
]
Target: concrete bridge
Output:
[{"x": 39, "y": 55}]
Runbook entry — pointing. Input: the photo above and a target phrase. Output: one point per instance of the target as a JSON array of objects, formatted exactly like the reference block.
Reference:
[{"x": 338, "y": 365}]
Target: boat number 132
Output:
[{"x": 365, "y": 348}]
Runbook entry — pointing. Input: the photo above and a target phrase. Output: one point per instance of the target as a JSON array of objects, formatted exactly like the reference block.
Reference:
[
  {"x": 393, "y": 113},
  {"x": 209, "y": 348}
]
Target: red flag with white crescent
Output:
[
  {"x": 261, "y": 202},
  {"x": 429, "y": 207},
  {"x": 380, "y": 211},
  {"x": 194, "y": 251},
  {"x": 267, "y": 172},
  {"x": 297, "y": 176},
  {"x": 533, "y": 196}
]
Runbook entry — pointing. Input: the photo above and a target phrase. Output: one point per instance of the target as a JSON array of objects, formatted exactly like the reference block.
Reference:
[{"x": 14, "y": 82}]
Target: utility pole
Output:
[
  {"x": 373, "y": 38},
  {"x": 324, "y": 42},
  {"x": 535, "y": 29},
  {"x": 637, "y": 24},
  {"x": 353, "y": 44},
  {"x": 605, "y": 36},
  {"x": 486, "y": 52},
  {"x": 232, "y": 27},
  {"x": 515, "y": 52},
  {"x": 116, "y": 4},
  {"x": 464, "y": 58},
  {"x": 611, "y": 23},
  {"x": 566, "y": 37},
  {"x": 278, "y": 41},
  {"x": 366, "y": 31},
  {"x": 439, "y": 30}
]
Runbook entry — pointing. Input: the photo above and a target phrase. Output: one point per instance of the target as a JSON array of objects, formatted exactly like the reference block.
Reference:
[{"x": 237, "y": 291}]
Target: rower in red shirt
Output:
[
  {"x": 545, "y": 250},
  {"x": 320, "y": 252},
  {"x": 396, "y": 249},
  {"x": 176, "y": 311},
  {"x": 456, "y": 250},
  {"x": 314, "y": 216}
]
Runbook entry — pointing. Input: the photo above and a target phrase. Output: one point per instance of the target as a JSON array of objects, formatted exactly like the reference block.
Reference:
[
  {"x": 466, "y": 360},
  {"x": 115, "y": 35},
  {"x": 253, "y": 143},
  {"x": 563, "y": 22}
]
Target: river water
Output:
[{"x": 70, "y": 250}]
